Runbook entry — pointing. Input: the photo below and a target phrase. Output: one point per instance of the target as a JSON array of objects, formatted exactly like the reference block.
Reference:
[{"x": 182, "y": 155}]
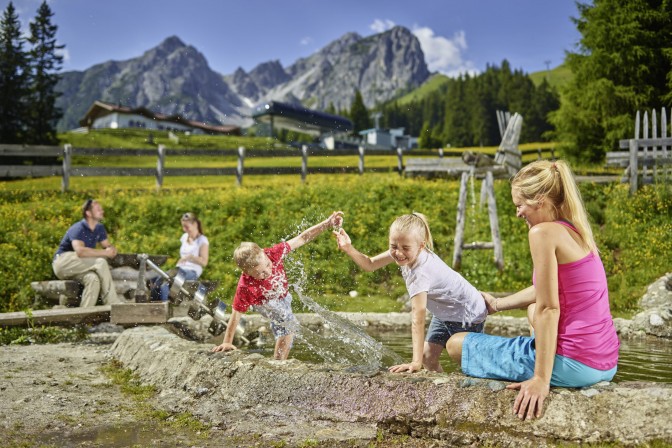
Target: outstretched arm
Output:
[
  {"x": 418, "y": 314},
  {"x": 530, "y": 400},
  {"x": 363, "y": 261},
  {"x": 335, "y": 220},
  {"x": 227, "y": 345}
]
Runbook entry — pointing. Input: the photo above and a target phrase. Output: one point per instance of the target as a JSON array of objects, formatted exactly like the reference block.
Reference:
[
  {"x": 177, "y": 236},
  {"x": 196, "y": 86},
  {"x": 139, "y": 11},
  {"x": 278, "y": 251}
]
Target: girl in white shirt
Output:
[{"x": 455, "y": 304}]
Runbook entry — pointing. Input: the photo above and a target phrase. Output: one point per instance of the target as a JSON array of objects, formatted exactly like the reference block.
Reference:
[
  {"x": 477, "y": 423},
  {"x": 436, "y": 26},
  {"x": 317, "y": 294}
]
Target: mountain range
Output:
[{"x": 174, "y": 78}]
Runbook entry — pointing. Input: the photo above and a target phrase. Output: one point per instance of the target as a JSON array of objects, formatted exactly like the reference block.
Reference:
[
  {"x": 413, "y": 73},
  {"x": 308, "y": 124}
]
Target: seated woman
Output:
[
  {"x": 193, "y": 256},
  {"x": 574, "y": 342}
]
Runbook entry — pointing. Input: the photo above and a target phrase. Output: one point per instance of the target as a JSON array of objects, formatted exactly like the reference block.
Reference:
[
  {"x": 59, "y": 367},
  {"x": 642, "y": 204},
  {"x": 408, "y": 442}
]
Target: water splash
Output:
[{"x": 345, "y": 343}]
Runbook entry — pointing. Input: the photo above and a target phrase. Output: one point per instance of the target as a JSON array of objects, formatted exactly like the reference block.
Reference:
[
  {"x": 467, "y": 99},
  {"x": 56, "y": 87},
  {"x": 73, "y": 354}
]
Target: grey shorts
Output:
[
  {"x": 279, "y": 312},
  {"x": 440, "y": 331}
]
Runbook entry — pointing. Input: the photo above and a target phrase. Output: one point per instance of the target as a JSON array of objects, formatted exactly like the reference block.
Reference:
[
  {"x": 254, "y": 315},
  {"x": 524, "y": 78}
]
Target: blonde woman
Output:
[
  {"x": 574, "y": 342},
  {"x": 455, "y": 304}
]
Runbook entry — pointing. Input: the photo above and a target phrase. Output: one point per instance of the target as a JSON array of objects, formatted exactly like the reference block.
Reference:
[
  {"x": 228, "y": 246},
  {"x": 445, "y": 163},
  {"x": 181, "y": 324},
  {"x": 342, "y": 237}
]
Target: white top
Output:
[
  {"x": 449, "y": 296},
  {"x": 194, "y": 249}
]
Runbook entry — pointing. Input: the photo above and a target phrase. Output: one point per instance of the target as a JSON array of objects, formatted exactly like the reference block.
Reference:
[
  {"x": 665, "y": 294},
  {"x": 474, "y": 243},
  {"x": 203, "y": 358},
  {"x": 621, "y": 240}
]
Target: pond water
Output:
[{"x": 639, "y": 360}]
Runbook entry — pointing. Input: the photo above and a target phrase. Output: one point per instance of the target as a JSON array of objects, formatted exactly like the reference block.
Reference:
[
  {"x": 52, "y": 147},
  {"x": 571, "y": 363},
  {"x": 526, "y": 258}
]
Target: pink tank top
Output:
[{"x": 586, "y": 330}]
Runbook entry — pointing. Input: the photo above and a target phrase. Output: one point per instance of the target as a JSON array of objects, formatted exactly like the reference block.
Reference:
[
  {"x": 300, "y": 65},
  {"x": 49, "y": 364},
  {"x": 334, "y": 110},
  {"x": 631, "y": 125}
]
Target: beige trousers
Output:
[{"x": 94, "y": 273}]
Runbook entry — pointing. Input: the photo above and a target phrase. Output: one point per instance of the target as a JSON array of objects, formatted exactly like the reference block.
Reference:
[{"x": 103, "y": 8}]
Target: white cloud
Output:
[
  {"x": 381, "y": 25},
  {"x": 65, "y": 53},
  {"x": 445, "y": 55},
  {"x": 306, "y": 41}
]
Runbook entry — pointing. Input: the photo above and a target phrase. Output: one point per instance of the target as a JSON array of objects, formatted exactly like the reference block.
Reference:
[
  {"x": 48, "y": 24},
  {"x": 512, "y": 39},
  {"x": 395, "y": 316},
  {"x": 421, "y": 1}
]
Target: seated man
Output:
[{"x": 78, "y": 259}]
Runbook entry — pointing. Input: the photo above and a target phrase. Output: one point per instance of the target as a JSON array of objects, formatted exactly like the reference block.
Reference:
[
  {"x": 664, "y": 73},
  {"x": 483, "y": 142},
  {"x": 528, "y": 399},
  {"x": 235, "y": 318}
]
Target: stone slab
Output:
[{"x": 227, "y": 390}]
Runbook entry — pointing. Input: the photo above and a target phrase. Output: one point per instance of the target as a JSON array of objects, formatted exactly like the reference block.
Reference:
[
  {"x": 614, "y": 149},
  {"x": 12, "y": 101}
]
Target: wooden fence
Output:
[
  {"x": 647, "y": 156},
  {"x": 44, "y": 161}
]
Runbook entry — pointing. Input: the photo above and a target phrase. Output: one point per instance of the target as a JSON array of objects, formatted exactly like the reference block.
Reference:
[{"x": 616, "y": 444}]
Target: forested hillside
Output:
[{"x": 461, "y": 111}]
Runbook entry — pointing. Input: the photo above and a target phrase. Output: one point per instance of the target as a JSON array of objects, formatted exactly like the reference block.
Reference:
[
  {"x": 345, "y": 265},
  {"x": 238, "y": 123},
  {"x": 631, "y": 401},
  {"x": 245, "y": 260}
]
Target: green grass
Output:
[
  {"x": 267, "y": 208},
  {"x": 139, "y": 139},
  {"x": 428, "y": 88},
  {"x": 557, "y": 77}
]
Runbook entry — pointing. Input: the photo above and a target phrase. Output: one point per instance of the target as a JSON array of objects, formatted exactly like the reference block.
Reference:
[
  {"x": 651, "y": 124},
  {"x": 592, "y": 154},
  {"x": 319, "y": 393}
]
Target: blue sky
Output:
[{"x": 456, "y": 36}]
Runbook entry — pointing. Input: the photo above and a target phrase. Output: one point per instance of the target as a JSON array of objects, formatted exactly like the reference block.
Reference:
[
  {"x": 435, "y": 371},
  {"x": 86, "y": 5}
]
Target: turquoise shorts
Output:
[{"x": 512, "y": 359}]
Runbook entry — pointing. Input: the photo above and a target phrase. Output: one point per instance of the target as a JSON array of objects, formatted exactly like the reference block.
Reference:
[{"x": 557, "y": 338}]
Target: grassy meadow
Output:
[{"x": 632, "y": 232}]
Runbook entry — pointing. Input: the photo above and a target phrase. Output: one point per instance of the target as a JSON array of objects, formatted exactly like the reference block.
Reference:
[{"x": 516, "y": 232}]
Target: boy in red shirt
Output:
[{"x": 263, "y": 285}]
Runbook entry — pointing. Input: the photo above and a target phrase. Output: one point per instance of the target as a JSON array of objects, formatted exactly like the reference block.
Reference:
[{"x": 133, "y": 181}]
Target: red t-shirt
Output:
[{"x": 252, "y": 291}]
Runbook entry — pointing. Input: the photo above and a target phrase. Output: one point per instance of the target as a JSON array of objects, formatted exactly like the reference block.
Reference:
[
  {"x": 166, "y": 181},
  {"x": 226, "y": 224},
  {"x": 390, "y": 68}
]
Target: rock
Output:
[{"x": 458, "y": 411}]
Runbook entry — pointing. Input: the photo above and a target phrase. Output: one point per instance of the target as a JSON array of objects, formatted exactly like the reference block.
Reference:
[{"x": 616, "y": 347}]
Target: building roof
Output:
[
  {"x": 300, "y": 119},
  {"x": 100, "y": 109}
]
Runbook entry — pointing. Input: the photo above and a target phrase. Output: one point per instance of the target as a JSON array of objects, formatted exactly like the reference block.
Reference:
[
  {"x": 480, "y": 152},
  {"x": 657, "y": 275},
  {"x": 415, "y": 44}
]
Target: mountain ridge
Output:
[{"x": 175, "y": 78}]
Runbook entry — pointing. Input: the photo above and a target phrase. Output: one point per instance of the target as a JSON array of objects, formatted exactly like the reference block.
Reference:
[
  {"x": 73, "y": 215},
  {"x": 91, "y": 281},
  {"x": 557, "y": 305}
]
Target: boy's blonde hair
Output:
[
  {"x": 414, "y": 223},
  {"x": 544, "y": 180},
  {"x": 247, "y": 255}
]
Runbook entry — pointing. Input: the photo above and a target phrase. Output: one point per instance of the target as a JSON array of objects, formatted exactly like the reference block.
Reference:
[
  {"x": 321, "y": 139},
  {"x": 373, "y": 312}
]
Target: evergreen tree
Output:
[
  {"x": 358, "y": 114},
  {"x": 13, "y": 77},
  {"x": 623, "y": 63},
  {"x": 44, "y": 63}
]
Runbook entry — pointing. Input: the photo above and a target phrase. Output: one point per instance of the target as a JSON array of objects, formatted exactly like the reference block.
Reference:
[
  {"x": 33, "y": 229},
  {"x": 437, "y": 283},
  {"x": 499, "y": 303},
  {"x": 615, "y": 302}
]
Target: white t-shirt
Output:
[
  {"x": 449, "y": 296},
  {"x": 194, "y": 249}
]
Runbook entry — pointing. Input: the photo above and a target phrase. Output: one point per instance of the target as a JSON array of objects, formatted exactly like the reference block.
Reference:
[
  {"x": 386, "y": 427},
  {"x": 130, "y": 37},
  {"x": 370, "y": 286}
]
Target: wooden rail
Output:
[{"x": 20, "y": 161}]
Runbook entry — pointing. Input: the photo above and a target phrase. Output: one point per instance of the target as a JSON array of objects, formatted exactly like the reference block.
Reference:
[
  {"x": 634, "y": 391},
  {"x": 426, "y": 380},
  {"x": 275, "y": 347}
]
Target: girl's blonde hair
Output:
[
  {"x": 247, "y": 255},
  {"x": 414, "y": 223},
  {"x": 554, "y": 182}
]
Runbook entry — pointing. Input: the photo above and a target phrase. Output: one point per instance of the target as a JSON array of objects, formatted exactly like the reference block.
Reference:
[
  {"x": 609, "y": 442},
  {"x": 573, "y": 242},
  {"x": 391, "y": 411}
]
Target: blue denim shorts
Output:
[
  {"x": 440, "y": 331},
  {"x": 512, "y": 359},
  {"x": 279, "y": 312}
]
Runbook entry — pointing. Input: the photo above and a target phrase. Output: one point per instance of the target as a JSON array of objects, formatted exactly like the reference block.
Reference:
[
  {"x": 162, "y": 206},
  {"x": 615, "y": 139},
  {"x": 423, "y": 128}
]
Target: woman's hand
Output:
[
  {"x": 530, "y": 400},
  {"x": 342, "y": 239},
  {"x": 410, "y": 367},
  {"x": 490, "y": 302},
  {"x": 224, "y": 347}
]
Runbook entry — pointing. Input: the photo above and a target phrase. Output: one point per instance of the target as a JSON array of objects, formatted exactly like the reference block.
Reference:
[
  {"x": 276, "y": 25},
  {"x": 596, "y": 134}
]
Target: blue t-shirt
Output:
[{"x": 82, "y": 232}]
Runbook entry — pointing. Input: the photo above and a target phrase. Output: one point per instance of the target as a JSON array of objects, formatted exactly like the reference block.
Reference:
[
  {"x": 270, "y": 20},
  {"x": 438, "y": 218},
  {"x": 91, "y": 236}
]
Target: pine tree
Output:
[
  {"x": 13, "y": 78},
  {"x": 45, "y": 62},
  {"x": 623, "y": 63},
  {"x": 358, "y": 114}
]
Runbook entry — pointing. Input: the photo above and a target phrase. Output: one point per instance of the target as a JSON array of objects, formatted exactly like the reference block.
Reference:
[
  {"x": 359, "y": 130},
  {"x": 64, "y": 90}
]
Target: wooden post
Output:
[
  {"x": 633, "y": 165},
  {"x": 361, "y": 160},
  {"x": 141, "y": 294},
  {"x": 645, "y": 150},
  {"x": 440, "y": 153},
  {"x": 400, "y": 161},
  {"x": 459, "y": 227},
  {"x": 539, "y": 157},
  {"x": 304, "y": 162},
  {"x": 494, "y": 221},
  {"x": 160, "y": 166},
  {"x": 239, "y": 168},
  {"x": 67, "y": 161}
]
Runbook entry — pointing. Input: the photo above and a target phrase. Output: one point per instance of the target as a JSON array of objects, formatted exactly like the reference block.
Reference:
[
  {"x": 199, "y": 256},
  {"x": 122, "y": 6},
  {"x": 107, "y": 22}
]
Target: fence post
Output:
[
  {"x": 489, "y": 182},
  {"x": 239, "y": 168},
  {"x": 361, "y": 160},
  {"x": 304, "y": 162},
  {"x": 440, "y": 153},
  {"x": 459, "y": 226},
  {"x": 67, "y": 160},
  {"x": 400, "y": 161},
  {"x": 633, "y": 165},
  {"x": 539, "y": 157},
  {"x": 160, "y": 166},
  {"x": 552, "y": 153}
]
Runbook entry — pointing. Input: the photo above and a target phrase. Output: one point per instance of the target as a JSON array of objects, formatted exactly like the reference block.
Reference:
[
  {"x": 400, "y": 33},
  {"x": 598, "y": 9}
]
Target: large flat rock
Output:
[{"x": 243, "y": 391}]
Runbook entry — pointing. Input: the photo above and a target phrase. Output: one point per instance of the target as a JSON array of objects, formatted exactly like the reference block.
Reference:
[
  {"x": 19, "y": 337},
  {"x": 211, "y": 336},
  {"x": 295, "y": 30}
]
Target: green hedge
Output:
[{"x": 633, "y": 233}]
